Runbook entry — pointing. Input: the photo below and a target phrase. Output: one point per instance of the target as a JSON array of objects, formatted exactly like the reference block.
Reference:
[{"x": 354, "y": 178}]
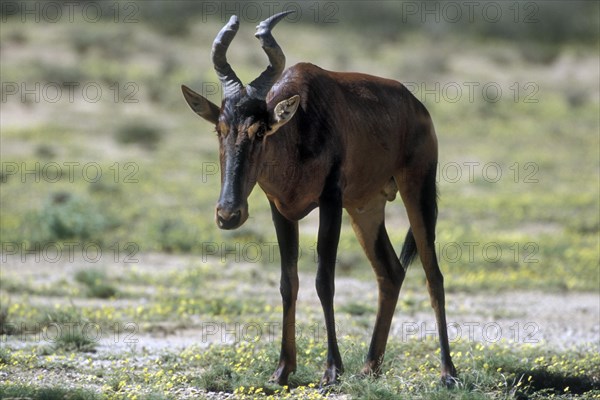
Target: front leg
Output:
[
  {"x": 287, "y": 236},
  {"x": 330, "y": 220}
]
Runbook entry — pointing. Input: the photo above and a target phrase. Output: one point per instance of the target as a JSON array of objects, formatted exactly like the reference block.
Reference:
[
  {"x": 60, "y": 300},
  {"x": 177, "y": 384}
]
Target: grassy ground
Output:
[
  {"x": 487, "y": 372},
  {"x": 95, "y": 183},
  {"x": 172, "y": 327}
]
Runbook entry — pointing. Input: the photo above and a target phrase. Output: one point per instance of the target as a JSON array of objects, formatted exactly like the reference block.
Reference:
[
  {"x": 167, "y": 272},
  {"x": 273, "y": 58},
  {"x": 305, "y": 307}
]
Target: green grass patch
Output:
[
  {"x": 358, "y": 309},
  {"x": 410, "y": 371},
  {"x": 65, "y": 217},
  {"x": 143, "y": 134},
  {"x": 9, "y": 391},
  {"x": 97, "y": 283},
  {"x": 75, "y": 338}
]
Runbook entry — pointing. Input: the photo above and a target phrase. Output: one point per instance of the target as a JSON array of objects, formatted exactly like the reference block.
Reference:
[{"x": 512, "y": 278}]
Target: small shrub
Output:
[
  {"x": 74, "y": 339},
  {"x": 174, "y": 235},
  {"x": 6, "y": 327},
  {"x": 65, "y": 217},
  {"x": 68, "y": 329},
  {"x": 96, "y": 282},
  {"x": 139, "y": 133},
  {"x": 60, "y": 316},
  {"x": 29, "y": 391},
  {"x": 45, "y": 151},
  {"x": 4, "y": 355},
  {"x": 218, "y": 378}
]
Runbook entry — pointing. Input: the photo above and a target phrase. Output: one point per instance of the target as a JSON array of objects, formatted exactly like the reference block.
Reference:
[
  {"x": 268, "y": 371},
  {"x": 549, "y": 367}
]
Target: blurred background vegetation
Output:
[
  {"x": 123, "y": 62},
  {"x": 548, "y": 22}
]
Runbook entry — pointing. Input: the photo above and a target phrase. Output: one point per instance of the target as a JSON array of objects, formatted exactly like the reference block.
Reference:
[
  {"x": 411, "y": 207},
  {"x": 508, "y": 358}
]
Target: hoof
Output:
[
  {"x": 281, "y": 374},
  {"x": 370, "y": 370},
  {"x": 330, "y": 377},
  {"x": 449, "y": 379}
]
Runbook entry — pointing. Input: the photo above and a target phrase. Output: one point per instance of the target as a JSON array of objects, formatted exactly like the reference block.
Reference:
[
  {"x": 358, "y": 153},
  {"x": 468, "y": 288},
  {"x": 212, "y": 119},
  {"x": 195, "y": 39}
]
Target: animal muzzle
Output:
[{"x": 231, "y": 218}]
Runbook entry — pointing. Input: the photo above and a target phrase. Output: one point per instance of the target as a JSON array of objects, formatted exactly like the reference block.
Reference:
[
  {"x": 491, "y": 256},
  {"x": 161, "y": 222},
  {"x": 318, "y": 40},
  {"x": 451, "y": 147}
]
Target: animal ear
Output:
[
  {"x": 200, "y": 105},
  {"x": 283, "y": 113}
]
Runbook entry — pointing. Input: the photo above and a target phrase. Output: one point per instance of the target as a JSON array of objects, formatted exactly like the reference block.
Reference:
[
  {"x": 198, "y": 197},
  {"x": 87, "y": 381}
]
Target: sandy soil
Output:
[{"x": 560, "y": 320}]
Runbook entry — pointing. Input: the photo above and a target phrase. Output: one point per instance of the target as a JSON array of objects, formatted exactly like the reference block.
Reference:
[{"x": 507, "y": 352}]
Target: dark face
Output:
[
  {"x": 242, "y": 124},
  {"x": 241, "y": 129}
]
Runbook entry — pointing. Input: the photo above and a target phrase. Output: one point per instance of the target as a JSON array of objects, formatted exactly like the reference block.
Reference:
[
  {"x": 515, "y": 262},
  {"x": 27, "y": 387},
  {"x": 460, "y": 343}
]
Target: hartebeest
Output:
[{"x": 353, "y": 141}]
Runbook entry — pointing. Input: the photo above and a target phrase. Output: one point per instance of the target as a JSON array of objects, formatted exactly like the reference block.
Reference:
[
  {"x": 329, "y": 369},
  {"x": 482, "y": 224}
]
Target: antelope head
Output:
[{"x": 243, "y": 121}]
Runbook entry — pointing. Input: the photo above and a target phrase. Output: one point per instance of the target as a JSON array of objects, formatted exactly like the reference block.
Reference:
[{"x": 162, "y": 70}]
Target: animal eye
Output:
[
  {"x": 260, "y": 133},
  {"x": 221, "y": 129}
]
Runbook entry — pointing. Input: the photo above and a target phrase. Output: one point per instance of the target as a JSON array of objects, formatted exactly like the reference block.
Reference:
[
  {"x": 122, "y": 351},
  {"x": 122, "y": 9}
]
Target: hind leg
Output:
[
  {"x": 418, "y": 191},
  {"x": 369, "y": 226}
]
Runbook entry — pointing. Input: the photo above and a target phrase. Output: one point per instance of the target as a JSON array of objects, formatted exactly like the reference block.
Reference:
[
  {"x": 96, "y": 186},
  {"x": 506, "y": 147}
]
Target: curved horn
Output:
[
  {"x": 259, "y": 87},
  {"x": 231, "y": 83}
]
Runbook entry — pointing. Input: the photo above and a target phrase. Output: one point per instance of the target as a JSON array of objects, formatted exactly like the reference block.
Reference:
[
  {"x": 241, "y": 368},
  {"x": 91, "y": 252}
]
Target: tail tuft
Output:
[
  {"x": 409, "y": 250},
  {"x": 429, "y": 211}
]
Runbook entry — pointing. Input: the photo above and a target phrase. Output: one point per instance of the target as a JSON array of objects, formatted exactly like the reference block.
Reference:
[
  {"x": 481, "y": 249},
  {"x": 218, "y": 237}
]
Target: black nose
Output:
[{"x": 227, "y": 219}]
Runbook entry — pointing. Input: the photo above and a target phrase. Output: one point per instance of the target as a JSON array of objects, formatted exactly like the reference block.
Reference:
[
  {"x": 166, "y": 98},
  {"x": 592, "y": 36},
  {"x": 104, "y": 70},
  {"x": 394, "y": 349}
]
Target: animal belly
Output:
[
  {"x": 360, "y": 197},
  {"x": 363, "y": 183},
  {"x": 296, "y": 210}
]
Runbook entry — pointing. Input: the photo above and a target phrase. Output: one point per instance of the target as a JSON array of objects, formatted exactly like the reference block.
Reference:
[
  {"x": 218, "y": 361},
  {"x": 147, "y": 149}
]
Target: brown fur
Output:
[{"x": 372, "y": 126}]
